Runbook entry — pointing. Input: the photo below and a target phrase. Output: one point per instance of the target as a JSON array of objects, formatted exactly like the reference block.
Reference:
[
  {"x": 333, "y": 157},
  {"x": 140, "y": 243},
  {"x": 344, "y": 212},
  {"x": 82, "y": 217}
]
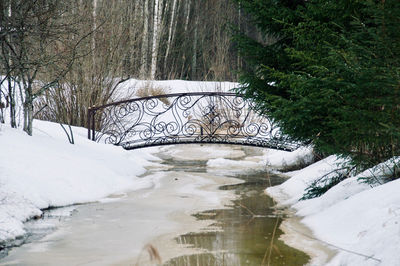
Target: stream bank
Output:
[{"x": 122, "y": 229}]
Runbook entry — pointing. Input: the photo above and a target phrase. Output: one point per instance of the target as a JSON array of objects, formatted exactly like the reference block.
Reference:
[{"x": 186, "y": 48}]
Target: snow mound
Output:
[
  {"x": 359, "y": 221},
  {"x": 46, "y": 171},
  {"x": 277, "y": 159},
  {"x": 293, "y": 189}
]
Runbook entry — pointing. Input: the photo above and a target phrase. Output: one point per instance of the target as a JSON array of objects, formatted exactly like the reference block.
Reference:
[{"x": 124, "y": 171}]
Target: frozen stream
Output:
[{"x": 123, "y": 229}]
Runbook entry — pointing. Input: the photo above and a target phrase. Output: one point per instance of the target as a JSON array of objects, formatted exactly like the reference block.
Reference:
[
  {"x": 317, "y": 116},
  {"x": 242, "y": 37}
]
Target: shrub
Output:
[{"x": 150, "y": 90}]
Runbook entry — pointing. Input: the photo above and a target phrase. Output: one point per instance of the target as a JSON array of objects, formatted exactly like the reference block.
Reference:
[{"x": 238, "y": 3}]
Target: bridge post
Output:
[
  {"x": 93, "y": 124},
  {"x": 88, "y": 121}
]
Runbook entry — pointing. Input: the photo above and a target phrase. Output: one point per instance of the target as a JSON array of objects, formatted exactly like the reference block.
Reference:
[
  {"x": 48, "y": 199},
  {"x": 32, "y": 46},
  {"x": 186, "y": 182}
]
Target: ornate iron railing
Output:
[{"x": 200, "y": 117}]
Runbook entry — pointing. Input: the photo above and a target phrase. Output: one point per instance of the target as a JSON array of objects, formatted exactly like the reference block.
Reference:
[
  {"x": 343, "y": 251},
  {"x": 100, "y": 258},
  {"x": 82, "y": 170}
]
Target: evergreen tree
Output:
[{"x": 332, "y": 74}]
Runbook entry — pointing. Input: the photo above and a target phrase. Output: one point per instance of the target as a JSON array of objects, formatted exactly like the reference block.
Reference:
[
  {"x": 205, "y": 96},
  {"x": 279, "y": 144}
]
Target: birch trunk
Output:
[
  {"x": 187, "y": 13},
  {"x": 156, "y": 37},
  {"x": 145, "y": 41},
  {"x": 170, "y": 33}
]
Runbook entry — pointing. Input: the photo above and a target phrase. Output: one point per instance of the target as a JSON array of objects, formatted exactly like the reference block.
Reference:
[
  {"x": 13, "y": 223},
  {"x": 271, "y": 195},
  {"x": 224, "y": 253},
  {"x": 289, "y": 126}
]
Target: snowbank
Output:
[
  {"x": 45, "y": 171},
  {"x": 360, "y": 222},
  {"x": 293, "y": 189},
  {"x": 128, "y": 88},
  {"x": 277, "y": 159}
]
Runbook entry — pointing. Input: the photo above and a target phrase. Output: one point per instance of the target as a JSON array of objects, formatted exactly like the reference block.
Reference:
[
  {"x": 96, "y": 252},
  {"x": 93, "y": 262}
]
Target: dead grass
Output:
[
  {"x": 155, "y": 258},
  {"x": 150, "y": 90}
]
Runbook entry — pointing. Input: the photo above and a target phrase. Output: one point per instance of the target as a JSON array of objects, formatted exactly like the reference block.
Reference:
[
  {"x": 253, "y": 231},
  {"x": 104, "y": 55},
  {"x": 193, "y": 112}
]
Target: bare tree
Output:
[
  {"x": 5, "y": 36},
  {"x": 167, "y": 39},
  {"x": 36, "y": 41},
  {"x": 113, "y": 56}
]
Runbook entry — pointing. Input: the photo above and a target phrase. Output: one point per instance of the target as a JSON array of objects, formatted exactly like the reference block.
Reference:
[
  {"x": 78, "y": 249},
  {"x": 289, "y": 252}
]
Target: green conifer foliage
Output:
[{"x": 332, "y": 75}]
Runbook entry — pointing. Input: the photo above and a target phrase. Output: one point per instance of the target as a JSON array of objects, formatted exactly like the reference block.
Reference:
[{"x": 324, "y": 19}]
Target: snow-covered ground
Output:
[
  {"x": 119, "y": 230},
  {"x": 361, "y": 223},
  {"x": 46, "y": 171}
]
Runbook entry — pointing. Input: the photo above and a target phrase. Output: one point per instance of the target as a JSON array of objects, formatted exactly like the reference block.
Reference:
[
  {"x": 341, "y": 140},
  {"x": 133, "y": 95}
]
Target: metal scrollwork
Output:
[{"x": 204, "y": 117}]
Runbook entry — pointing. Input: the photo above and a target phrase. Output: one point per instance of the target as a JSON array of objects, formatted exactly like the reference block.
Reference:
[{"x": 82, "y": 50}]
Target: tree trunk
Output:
[
  {"x": 156, "y": 37},
  {"x": 171, "y": 33},
  {"x": 239, "y": 65},
  {"x": 195, "y": 37},
  {"x": 11, "y": 84},
  {"x": 187, "y": 14},
  {"x": 28, "y": 109},
  {"x": 11, "y": 98},
  {"x": 145, "y": 41},
  {"x": 94, "y": 26}
]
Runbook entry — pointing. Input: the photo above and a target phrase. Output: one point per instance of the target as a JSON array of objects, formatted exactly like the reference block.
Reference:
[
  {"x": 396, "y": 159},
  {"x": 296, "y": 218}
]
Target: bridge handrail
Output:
[
  {"x": 221, "y": 120},
  {"x": 95, "y": 108}
]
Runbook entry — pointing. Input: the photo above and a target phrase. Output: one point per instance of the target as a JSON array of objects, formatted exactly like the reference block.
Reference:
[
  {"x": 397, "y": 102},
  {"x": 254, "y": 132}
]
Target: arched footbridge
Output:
[{"x": 182, "y": 118}]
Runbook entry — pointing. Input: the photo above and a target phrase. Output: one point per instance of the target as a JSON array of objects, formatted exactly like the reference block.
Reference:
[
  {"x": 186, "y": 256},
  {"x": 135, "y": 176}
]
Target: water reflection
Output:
[{"x": 248, "y": 234}]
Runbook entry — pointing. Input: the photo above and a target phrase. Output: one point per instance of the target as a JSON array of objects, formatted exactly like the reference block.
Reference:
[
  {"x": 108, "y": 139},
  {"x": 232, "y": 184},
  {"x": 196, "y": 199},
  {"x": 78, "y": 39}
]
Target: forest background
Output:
[
  {"x": 61, "y": 57},
  {"x": 326, "y": 71}
]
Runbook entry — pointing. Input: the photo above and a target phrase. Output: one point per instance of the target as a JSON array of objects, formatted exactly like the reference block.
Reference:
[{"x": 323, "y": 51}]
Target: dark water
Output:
[{"x": 249, "y": 231}]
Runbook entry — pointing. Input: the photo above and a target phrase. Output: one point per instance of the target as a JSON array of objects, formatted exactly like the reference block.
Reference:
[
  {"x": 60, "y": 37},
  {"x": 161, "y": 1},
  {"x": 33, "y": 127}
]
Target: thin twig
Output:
[
  {"x": 271, "y": 244},
  {"x": 244, "y": 207},
  {"x": 41, "y": 109}
]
